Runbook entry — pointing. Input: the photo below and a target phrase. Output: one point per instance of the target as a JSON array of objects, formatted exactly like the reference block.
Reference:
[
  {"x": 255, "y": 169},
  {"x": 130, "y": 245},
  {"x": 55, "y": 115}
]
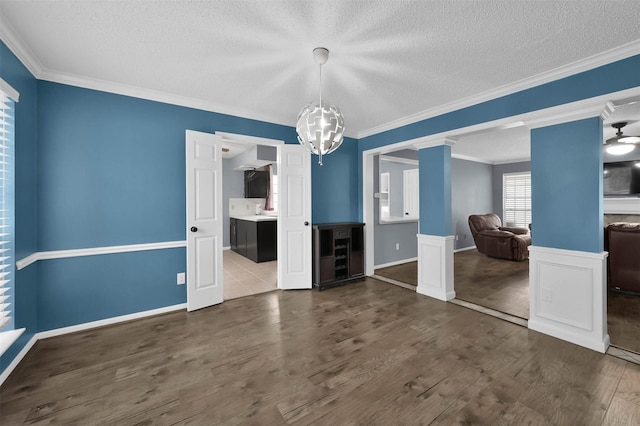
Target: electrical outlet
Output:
[
  {"x": 456, "y": 237},
  {"x": 397, "y": 246},
  {"x": 180, "y": 278}
]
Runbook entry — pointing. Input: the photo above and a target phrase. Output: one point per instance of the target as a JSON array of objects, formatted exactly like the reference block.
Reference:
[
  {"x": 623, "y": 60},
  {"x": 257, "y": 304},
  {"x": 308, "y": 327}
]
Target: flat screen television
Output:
[{"x": 622, "y": 179}]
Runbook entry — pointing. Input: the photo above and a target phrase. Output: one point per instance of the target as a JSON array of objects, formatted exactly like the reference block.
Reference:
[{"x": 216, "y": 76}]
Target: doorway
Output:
[
  {"x": 479, "y": 161},
  {"x": 250, "y": 191},
  {"x": 205, "y": 278},
  {"x": 396, "y": 216}
]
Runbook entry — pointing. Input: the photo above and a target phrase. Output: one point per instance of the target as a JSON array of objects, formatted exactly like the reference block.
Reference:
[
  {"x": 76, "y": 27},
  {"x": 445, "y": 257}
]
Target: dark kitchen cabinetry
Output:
[
  {"x": 256, "y": 184},
  {"x": 256, "y": 240},
  {"x": 338, "y": 254}
]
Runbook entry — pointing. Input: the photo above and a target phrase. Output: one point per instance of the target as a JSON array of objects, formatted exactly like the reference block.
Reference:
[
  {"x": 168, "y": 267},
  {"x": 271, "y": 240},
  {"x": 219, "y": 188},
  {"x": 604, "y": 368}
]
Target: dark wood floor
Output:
[
  {"x": 502, "y": 285},
  {"x": 623, "y": 320},
  {"x": 365, "y": 353},
  {"x": 405, "y": 272}
]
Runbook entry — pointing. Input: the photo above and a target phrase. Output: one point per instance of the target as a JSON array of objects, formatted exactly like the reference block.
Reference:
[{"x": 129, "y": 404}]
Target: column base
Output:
[{"x": 435, "y": 266}]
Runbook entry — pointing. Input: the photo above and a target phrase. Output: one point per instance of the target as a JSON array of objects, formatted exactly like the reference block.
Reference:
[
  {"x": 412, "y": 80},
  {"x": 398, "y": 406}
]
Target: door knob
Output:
[
  {"x": 306, "y": 223},
  {"x": 194, "y": 229}
]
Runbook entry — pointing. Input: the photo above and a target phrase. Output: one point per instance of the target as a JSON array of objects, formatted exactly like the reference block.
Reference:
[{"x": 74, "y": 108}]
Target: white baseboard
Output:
[
  {"x": 82, "y": 327},
  {"x": 7, "y": 371},
  {"x": 108, "y": 321},
  {"x": 394, "y": 263},
  {"x": 561, "y": 332}
]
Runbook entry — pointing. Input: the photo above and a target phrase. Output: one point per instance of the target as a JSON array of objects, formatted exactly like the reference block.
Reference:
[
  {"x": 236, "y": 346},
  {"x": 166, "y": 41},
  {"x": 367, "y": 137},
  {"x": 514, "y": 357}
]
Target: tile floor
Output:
[{"x": 243, "y": 277}]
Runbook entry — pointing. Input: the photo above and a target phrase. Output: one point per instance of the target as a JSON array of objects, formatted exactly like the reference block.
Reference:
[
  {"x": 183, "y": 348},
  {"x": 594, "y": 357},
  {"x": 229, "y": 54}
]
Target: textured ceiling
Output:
[{"x": 389, "y": 59}]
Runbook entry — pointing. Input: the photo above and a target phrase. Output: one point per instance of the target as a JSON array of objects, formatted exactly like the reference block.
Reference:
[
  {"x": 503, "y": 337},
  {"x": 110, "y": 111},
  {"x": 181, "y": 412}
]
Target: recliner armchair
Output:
[{"x": 495, "y": 240}]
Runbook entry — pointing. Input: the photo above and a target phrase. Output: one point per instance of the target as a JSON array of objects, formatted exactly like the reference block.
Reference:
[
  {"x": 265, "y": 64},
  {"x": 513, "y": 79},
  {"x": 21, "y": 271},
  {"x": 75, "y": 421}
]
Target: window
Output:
[
  {"x": 517, "y": 199},
  {"x": 6, "y": 208}
]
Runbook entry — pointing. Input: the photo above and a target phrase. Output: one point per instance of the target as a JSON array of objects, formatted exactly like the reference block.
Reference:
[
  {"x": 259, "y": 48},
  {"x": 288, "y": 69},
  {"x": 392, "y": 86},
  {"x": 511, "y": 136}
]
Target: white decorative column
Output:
[
  {"x": 435, "y": 266},
  {"x": 567, "y": 295}
]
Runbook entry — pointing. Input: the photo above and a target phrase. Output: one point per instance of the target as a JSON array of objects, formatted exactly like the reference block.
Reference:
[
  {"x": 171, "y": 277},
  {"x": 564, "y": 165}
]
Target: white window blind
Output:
[
  {"x": 517, "y": 199},
  {"x": 6, "y": 209}
]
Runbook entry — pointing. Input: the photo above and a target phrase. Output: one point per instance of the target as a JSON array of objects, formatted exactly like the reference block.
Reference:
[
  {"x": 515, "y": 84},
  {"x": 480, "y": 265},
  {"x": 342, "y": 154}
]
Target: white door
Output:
[
  {"x": 411, "y": 196},
  {"x": 294, "y": 221},
  {"x": 204, "y": 219}
]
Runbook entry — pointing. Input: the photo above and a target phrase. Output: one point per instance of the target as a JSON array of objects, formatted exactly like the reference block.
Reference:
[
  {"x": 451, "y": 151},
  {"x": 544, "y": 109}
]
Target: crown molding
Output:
[
  {"x": 430, "y": 142},
  {"x": 19, "y": 48},
  {"x": 597, "y": 60},
  {"x": 511, "y": 161},
  {"x": 401, "y": 160},
  {"x": 470, "y": 158},
  {"x": 154, "y": 95},
  {"x": 160, "y": 96}
]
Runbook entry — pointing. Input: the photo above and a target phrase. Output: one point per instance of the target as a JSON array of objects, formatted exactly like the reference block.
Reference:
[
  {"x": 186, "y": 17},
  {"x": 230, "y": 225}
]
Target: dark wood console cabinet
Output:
[{"x": 338, "y": 254}]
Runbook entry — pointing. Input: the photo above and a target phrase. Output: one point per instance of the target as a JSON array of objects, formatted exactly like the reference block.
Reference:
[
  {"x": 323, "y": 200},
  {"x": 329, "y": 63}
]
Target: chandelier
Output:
[{"x": 320, "y": 127}]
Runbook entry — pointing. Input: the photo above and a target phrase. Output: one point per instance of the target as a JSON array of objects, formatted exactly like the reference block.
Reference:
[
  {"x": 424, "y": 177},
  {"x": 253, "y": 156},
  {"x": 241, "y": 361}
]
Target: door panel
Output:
[
  {"x": 411, "y": 196},
  {"x": 204, "y": 220},
  {"x": 294, "y": 226}
]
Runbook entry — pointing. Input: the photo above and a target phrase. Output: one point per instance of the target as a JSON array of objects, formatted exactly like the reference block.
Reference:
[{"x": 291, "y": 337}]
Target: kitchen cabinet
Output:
[
  {"x": 254, "y": 239},
  {"x": 338, "y": 254},
  {"x": 256, "y": 184}
]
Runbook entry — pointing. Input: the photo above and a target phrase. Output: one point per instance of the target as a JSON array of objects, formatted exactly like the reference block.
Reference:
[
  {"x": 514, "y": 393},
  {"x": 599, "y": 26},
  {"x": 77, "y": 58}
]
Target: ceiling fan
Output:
[{"x": 620, "y": 144}]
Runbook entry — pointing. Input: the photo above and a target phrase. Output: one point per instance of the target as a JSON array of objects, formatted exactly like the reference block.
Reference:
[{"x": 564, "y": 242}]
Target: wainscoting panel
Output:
[
  {"x": 568, "y": 296},
  {"x": 435, "y": 266}
]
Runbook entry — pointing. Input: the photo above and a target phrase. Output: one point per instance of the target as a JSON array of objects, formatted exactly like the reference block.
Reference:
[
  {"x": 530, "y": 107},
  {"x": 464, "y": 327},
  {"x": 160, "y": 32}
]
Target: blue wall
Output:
[
  {"x": 334, "y": 185},
  {"x": 566, "y": 186},
  {"x": 112, "y": 167},
  {"x": 112, "y": 172},
  {"x": 24, "y": 294},
  {"x": 84, "y": 289},
  {"x": 435, "y": 190}
]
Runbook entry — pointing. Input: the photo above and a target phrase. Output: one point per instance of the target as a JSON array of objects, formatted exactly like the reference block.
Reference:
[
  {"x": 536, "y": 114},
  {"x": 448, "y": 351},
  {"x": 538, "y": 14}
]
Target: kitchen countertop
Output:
[{"x": 257, "y": 218}]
